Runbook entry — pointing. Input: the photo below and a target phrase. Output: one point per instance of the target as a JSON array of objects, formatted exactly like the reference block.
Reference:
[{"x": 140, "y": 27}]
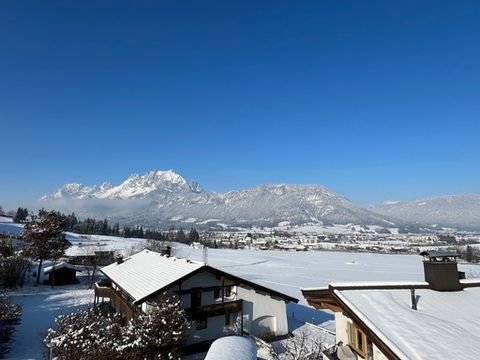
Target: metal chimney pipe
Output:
[{"x": 414, "y": 299}]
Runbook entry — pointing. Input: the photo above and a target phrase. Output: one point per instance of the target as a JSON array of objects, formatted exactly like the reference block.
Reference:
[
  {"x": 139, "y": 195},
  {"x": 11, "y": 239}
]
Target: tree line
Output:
[{"x": 93, "y": 226}]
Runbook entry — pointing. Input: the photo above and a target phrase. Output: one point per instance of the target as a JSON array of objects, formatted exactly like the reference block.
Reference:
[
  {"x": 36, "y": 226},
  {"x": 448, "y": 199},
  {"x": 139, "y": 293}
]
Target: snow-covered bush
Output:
[
  {"x": 9, "y": 316},
  {"x": 89, "y": 335},
  {"x": 12, "y": 270},
  {"x": 157, "y": 334}
]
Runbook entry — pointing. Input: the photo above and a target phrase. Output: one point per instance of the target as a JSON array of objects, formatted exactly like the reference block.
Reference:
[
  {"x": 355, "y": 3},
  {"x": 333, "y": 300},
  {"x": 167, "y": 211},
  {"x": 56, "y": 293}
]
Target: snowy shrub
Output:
[
  {"x": 158, "y": 334},
  {"x": 13, "y": 270},
  {"x": 89, "y": 335},
  {"x": 9, "y": 316}
]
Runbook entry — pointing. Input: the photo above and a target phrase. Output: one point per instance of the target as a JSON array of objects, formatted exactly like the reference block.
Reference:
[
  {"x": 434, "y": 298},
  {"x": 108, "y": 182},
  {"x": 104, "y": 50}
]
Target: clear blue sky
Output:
[{"x": 375, "y": 101}]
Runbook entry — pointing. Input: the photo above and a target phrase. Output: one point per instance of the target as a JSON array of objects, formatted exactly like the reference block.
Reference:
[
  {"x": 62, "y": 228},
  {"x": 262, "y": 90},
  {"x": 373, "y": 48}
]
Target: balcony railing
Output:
[
  {"x": 104, "y": 289},
  {"x": 214, "y": 309}
]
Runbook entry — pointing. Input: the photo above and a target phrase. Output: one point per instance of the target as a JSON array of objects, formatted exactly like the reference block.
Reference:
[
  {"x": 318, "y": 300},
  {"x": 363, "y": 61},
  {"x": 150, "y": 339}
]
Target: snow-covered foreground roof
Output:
[
  {"x": 446, "y": 325},
  {"x": 146, "y": 272},
  {"x": 232, "y": 347}
]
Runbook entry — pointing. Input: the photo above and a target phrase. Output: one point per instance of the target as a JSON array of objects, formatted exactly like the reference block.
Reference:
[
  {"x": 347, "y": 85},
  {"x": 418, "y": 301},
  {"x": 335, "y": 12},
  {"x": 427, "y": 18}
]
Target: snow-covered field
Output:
[
  {"x": 40, "y": 307},
  {"x": 287, "y": 272},
  {"x": 290, "y": 271}
]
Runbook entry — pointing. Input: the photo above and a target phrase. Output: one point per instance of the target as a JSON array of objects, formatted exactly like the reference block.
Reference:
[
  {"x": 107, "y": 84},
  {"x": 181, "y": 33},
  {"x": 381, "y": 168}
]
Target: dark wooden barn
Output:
[{"x": 62, "y": 274}]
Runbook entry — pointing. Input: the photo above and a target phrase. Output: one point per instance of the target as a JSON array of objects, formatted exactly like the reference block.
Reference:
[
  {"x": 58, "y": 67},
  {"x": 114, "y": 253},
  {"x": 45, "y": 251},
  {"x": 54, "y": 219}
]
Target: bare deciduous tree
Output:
[{"x": 46, "y": 238}]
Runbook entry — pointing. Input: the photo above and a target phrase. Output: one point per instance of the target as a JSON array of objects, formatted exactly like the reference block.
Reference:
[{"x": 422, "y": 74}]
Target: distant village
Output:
[{"x": 354, "y": 241}]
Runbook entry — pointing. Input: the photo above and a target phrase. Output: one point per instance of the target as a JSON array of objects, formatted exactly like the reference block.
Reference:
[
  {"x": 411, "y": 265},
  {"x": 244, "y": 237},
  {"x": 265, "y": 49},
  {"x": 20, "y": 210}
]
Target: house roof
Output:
[
  {"x": 148, "y": 273},
  {"x": 446, "y": 323},
  {"x": 63, "y": 265}
]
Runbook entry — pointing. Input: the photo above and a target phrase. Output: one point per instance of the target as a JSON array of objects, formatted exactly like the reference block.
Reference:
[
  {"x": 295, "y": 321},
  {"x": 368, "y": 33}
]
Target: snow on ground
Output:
[
  {"x": 40, "y": 307},
  {"x": 5, "y": 219},
  {"x": 11, "y": 228},
  {"x": 85, "y": 244},
  {"x": 282, "y": 271},
  {"x": 17, "y": 229},
  {"x": 289, "y": 271}
]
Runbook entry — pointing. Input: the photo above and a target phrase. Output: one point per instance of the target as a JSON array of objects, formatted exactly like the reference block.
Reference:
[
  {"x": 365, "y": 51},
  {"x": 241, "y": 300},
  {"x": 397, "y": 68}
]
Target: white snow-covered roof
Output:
[
  {"x": 146, "y": 272},
  {"x": 61, "y": 265},
  {"x": 375, "y": 284},
  {"x": 232, "y": 347},
  {"x": 446, "y": 324}
]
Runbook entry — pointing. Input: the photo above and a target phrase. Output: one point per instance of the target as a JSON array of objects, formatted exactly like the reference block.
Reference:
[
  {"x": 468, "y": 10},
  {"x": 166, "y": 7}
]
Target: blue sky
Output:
[{"x": 376, "y": 101}]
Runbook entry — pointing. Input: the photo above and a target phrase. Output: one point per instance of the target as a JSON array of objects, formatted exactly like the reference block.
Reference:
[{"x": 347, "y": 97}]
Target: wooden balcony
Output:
[
  {"x": 210, "y": 310},
  {"x": 104, "y": 289}
]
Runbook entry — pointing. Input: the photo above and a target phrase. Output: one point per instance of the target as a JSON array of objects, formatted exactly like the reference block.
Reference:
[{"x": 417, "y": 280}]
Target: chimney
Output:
[
  {"x": 166, "y": 252},
  {"x": 441, "y": 270},
  {"x": 119, "y": 259},
  {"x": 414, "y": 299}
]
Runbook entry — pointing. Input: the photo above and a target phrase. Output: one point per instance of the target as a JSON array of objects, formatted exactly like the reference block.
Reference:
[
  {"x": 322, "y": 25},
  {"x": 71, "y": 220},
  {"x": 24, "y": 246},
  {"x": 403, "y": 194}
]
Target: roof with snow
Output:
[
  {"x": 63, "y": 265},
  {"x": 147, "y": 273},
  {"x": 448, "y": 320}
]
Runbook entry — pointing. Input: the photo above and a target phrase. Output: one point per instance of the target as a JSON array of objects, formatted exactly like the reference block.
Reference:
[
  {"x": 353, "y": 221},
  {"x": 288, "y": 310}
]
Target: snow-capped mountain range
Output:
[
  {"x": 136, "y": 186},
  {"x": 164, "y": 198},
  {"x": 453, "y": 210}
]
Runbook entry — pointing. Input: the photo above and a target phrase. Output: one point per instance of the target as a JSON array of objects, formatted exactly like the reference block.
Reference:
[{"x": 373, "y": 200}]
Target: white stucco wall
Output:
[
  {"x": 262, "y": 314},
  {"x": 341, "y": 328},
  {"x": 216, "y": 328}
]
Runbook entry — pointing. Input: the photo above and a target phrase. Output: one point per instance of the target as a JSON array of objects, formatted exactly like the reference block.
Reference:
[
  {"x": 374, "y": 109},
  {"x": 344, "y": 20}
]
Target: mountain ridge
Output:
[{"x": 165, "y": 198}]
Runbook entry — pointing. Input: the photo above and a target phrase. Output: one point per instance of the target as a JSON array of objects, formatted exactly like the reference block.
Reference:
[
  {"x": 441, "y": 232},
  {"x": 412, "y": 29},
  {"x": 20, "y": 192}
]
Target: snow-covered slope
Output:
[
  {"x": 165, "y": 198},
  {"x": 455, "y": 210}
]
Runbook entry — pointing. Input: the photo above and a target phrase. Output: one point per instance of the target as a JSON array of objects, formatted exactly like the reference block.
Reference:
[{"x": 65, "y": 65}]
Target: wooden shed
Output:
[{"x": 62, "y": 273}]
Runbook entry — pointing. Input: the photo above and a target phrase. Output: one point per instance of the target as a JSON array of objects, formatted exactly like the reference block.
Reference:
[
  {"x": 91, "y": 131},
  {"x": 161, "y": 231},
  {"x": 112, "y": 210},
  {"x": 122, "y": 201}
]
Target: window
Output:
[
  {"x": 216, "y": 293},
  {"x": 357, "y": 339},
  {"x": 369, "y": 350},
  {"x": 201, "y": 324},
  {"x": 196, "y": 298},
  {"x": 228, "y": 291}
]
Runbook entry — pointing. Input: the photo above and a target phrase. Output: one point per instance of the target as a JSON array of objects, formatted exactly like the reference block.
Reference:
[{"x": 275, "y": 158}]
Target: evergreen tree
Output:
[
  {"x": 469, "y": 254},
  {"x": 180, "y": 237},
  {"x": 193, "y": 236},
  {"x": 21, "y": 215}
]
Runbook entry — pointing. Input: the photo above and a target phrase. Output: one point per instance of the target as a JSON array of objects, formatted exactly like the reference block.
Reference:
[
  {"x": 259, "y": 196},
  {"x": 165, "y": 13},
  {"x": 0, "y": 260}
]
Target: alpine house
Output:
[
  {"x": 217, "y": 303},
  {"x": 434, "y": 319}
]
